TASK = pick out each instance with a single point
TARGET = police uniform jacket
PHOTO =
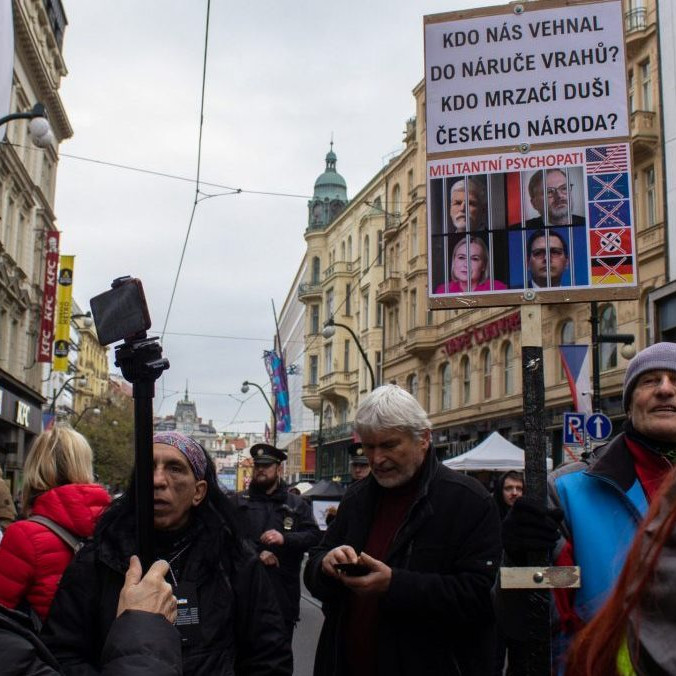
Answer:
(436, 617)
(292, 517)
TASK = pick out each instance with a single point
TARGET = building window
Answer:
(396, 200)
(314, 319)
(487, 365)
(329, 303)
(342, 251)
(650, 203)
(428, 393)
(430, 318)
(412, 385)
(366, 264)
(365, 311)
(446, 387)
(379, 314)
(410, 180)
(346, 356)
(630, 85)
(379, 368)
(314, 370)
(414, 238)
(508, 361)
(348, 300)
(412, 308)
(328, 358)
(315, 270)
(466, 380)
(349, 249)
(566, 337)
(646, 85)
(379, 258)
(646, 316)
(608, 326)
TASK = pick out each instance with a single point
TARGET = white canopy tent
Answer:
(493, 454)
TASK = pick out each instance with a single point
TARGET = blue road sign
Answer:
(573, 429)
(599, 426)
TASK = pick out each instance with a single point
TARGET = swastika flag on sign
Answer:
(611, 242)
(607, 159)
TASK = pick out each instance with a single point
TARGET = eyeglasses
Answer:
(562, 190)
(554, 251)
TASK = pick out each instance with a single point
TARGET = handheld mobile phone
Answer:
(352, 569)
(121, 312)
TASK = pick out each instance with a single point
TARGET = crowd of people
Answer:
(407, 571)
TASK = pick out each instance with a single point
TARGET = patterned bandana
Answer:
(189, 447)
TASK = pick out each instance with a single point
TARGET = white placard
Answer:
(554, 75)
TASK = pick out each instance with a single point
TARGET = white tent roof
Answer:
(494, 453)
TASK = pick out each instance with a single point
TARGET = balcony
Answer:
(336, 385)
(308, 291)
(392, 224)
(422, 341)
(389, 290)
(644, 132)
(311, 398)
(636, 19)
(339, 268)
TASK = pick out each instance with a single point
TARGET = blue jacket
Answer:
(602, 503)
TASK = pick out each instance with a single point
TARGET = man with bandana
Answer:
(280, 524)
(228, 616)
(601, 501)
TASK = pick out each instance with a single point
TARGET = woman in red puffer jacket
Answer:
(58, 484)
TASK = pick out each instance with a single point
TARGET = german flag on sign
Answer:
(610, 242)
(617, 270)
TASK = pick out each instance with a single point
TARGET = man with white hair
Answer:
(405, 571)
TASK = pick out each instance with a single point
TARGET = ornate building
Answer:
(27, 180)
(367, 269)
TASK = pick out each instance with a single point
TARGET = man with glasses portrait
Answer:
(555, 209)
(547, 258)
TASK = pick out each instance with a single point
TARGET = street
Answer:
(306, 635)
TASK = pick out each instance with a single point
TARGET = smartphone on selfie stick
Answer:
(122, 314)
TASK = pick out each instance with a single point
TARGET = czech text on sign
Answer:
(541, 75)
(546, 220)
(64, 301)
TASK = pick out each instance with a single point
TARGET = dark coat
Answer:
(240, 625)
(139, 643)
(292, 516)
(436, 617)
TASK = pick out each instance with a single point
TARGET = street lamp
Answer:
(82, 383)
(86, 318)
(245, 389)
(328, 331)
(627, 351)
(94, 409)
(39, 128)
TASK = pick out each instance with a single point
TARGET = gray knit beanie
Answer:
(660, 356)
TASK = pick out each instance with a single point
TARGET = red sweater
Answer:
(33, 558)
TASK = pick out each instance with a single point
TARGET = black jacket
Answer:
(138, 644)
(239, 629)
(292, 517)
(436, 617)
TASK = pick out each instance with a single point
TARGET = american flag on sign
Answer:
(607, 159)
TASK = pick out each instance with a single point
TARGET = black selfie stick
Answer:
(140, 359)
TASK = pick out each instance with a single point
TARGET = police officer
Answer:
(359, 464)
(281, 526)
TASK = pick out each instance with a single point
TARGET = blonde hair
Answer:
(57, 457)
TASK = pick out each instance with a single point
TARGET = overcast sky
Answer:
(282, 76)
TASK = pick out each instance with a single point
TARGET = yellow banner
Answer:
(64, 295)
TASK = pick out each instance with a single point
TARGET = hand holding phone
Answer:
(352, 569)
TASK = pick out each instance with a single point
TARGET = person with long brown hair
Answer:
(632, 635)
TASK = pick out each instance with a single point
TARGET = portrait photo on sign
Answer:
(546, 220)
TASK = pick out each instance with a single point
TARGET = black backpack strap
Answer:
(71, 540)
